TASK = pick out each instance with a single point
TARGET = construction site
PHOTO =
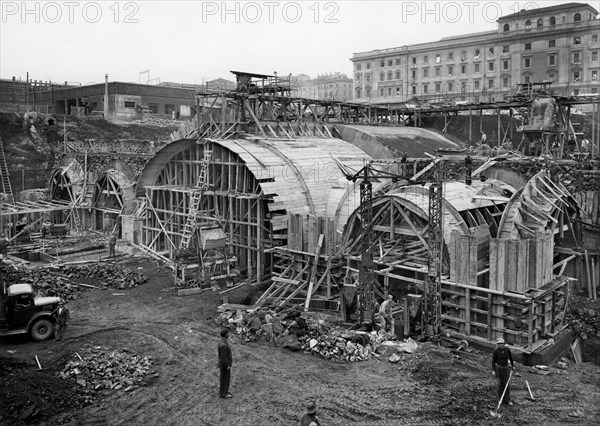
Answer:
(264, 208)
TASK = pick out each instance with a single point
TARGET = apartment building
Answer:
(557, 43)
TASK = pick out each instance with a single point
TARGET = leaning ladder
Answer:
(196, 198)
(6, 187)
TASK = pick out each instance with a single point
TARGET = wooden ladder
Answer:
(6, 187)
(197, 193)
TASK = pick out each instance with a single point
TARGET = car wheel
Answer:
(42, 329)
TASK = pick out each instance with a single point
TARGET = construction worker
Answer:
(3, 246)
(501, 370)
(483, 138)
(112, 241)
(310, 417)
(385, 314)
(225, 362)
(62, 318)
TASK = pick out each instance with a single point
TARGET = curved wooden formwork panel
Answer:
(66, 182)
(254, 184)
(541, 205)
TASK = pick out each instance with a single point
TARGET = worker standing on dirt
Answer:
(225, 362)
(62, 318)
(310, 417)
(112, 241)
(3, 246)
(385, 314)
(501, 369)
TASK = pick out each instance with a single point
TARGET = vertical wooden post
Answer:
(530, 328)
(468, 311)
(489, 317)
(470, 124)
(499, 139)
(553, 311)
(406, 317)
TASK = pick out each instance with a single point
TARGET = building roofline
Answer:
(534, 12)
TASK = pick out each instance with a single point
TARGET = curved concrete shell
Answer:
(254, 184)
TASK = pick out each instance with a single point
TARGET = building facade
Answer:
(559, 44)
(333, 86)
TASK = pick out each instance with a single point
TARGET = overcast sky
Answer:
(195, 41)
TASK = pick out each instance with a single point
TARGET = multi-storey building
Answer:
(559, 44)
(333, 86)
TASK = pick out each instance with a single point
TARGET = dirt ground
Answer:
(270, 385)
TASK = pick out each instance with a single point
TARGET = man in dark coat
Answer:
(225, 362)
(501, 369)
(310, 417)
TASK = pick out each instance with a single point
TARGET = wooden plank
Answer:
(313, 274)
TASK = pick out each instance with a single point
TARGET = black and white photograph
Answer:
(299, 212)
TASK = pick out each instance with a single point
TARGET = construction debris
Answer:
(61, 280)
(102, 369)
(311, 334)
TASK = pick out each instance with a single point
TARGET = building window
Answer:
(477, 84)
(426, 59)
(389, 91)
(450, 86)
(577, 17)
(382, 63)
(414, 90)
(527, 46)
(438, 87)
(476, 67)
(381, 76)
(490, 66)
(368, 93)
(450, 56)
(463, 86)
(358, 67)
(463, 55)
(476, 99)
(414, 74)
(505, 82)
(594, 75)
(437, 71)
(129, 104)
(505, 65)
(368, 65)
(425, 88)
(438, 58)
(551, 43)
(397, 74)
(390, 62)
(153, 108)
(491, 83)
(398, 61)
(414, 60)
(368, 78)
(526, 62)
(476, 54)
(491, 51)
(552, 20)
(594, 56)
(527, 24)
(450, 70)
(575, 92)
(540, 22)
(576, 76)
(551, 59)
(463, 69)
(552, 76)
(594, 38)
(527, 79)
(390, 75)
(594, 90)
(358, 93)
(398, 90)
(505, 49)
(357, 79)
(576, 58)
(576, 40)
(425, 72)
(506, 27)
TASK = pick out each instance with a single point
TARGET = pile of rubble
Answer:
(159, 121)
(582, 318)
(102, 369)
(312, 334)
(61, 281)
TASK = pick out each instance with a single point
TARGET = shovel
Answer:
(494, 413)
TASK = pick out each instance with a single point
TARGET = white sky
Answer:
(194, 41)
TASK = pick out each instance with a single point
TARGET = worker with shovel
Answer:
(502, 370)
